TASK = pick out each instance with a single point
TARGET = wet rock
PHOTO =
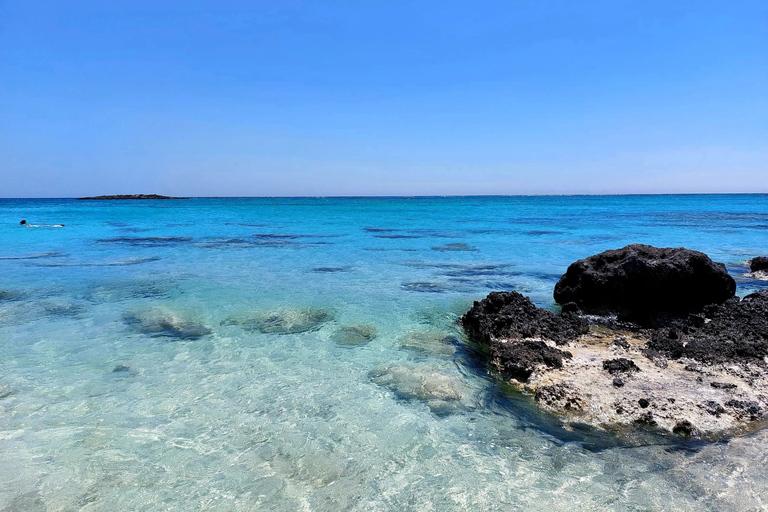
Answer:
(685, 428)
(432, 342)
(644, 403)
(620, 365)
(510, 315)
(758, 263)
(163, 322)
(121, 368)
(640, 282)
(433, 387)
(618, 382)
(558, 396)
(519, 360)
(354, 334)
(723, 385)
(283, 322)
(621, 343)
(646, 419)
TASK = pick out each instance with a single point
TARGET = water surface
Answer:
(246, 354)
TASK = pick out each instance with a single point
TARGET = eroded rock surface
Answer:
(701, 372)
(512, 315)
(640, 282)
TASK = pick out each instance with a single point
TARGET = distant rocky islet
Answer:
(127, 196)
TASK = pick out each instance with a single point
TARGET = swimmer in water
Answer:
(24, 223)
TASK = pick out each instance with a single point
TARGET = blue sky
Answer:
(382, 97)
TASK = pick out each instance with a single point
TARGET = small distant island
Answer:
(127, 196)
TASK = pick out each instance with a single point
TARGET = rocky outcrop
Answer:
(758, 263)
(645, 284)
(701, 372)
(510, 315)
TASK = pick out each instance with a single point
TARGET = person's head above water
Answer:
(23, 222)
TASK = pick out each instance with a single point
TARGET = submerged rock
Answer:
(702, 373)
(437, 389)
(354, 334)
(294, 321)
(164, 322)
(640, 282)
(433, 342)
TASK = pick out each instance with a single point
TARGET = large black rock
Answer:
(510, 315)
(758, 263)
(641, 283)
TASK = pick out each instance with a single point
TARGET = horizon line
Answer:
(366, 196)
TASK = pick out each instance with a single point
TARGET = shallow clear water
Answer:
(140, 368)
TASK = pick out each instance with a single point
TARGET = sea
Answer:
(303, 354)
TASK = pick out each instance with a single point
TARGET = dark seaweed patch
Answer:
(11, 295)
(536, 232)
(42, 255)
(152, 241)
(425, 287)
(379, 230)
(329, 270)
(275, 236)
(63, 309)
(397, 237)
(454, 247)
(118, 263)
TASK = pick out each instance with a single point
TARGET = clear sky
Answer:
(331, 97)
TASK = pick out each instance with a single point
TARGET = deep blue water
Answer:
(151, 359)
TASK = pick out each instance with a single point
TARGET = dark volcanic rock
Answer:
(620, 365)
(513, 316)
(736, 331)
(519, 360)
(640, 282)
(129, 196)
(758, 263)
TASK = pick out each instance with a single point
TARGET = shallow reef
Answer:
(286, 321)
(159, 321)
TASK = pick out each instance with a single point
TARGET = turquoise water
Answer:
(302, 354)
